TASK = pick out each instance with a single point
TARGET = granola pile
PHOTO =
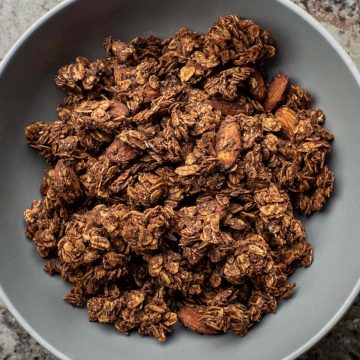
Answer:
(175, 168)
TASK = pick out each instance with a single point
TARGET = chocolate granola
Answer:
(175, 169)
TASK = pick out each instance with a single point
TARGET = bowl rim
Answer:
(353, 70)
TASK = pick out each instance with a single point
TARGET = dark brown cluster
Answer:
(175, 167)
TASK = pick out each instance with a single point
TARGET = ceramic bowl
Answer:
(27, 93)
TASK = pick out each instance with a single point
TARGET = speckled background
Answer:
(342, 19)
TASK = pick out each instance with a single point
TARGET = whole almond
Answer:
(66, 182)
(231, 108)
(287, 118)
(119, 152)
(276, 91)
(191, 318)
(228, 142)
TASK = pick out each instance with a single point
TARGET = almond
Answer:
(276, 91)
(231, 108)
(228, 142)
(118, 110)
(287, 118)
(66, 182)
(119, 152)
(191, 318)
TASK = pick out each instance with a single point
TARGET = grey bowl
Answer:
(306, 52)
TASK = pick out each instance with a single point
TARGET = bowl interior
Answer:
(27, 94)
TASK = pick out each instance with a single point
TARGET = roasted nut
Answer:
(275, 92)
(66, 182)
(287, 118)
(191, 319)
(228, 142)
(119, 152)
(118, 110)
(231, 108)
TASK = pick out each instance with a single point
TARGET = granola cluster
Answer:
(175, 168)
